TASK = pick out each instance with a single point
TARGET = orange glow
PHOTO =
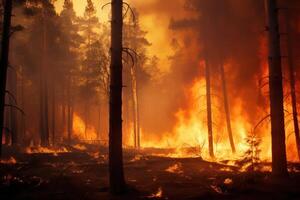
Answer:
(82, 132)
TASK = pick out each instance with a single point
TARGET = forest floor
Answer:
(83, 175)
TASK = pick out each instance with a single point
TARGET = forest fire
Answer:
(181, 99)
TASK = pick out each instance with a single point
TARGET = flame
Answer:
(39, 149)
(82, 132)
(190, 130)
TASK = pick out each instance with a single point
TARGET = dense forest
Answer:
(181, 99)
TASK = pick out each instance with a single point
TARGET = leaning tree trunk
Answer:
(279, 163)
(208, 108)
(226, 105)
(4, 62)
(292, 72)
(116, 172)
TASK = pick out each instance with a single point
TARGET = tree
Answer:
(226, 105)
(116, 172)
(70, 41)
(94, 61)
(279, 163)
(4, 61)
(292, 82)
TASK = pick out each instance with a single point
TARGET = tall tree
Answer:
(116, 172)
(292, 72)
(279, 163)
(4, 61)
(70, 40)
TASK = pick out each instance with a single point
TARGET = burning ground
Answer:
(80, 172)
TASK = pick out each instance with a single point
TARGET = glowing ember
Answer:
(39, 149)
(158, 194)
(176, 169)
(79, 147)
(11, 160)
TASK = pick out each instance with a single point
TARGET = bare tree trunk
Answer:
(86, 118)
(226, 105)
(44, 90)
(133, 98)
(116, 172)
(69, 112)
(208, 106)
(53, 112)
(13, 113)
(99, 123)
(137, 113)
(4, 62)
(63, 109)
(292, 72)
(23, 127)
(279, 163)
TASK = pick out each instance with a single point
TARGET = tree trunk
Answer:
(12, 87)
(137, 112)
(292, 72)
(133, 97)
(279, 163)
(116, 172)
(4, 62)
(209, 113)
(69, 111)
(226, 105)
(53, 112)
(44, 89)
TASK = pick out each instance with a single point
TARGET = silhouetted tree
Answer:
(279, 163)
(292, 78)
(116, 172)
(4, 61)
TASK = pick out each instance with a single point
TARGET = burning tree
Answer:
(251, 158)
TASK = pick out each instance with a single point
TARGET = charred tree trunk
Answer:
(116, 172)
(208, 107)
(13, 113)
(69, 111)
(4, 62)
(53, 112)
(226, 106)
(99, 123)
(291, 65)
(63, 110)
(279, 163)
(44, 90)
(137, 113)
(23, 127)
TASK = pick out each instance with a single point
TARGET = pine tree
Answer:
(70, 41)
